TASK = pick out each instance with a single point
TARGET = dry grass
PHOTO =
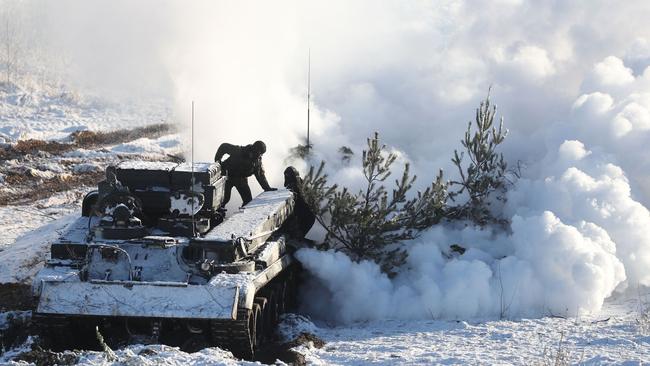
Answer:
(27, 187)
(40, 356)
(88, 139)
(559, 355)
(39, 189)
(643, 316)
(82, 139)
(556, 357)
(643, 322)
(33, 146)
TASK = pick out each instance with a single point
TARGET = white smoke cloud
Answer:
(575, 239)
(611, 72)
(579, 231)
(581, 187)
(571, 78)
(555, 269)
(577, 236)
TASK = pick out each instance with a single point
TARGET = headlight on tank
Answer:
(206, 265)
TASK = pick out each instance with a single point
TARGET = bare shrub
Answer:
(559, 355)
(643, 315)
(11, 42)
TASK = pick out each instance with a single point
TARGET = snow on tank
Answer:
(185, 277)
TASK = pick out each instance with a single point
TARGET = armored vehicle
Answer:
(153, 258)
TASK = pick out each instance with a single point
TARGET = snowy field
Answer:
(615, 335)
(567, 282)
(610, 337)
(618, 334)
(17, 220)
(47, 112)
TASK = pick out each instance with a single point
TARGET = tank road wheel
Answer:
(290, 292)
(272, 314)
(281, 292)
(244, 335)
(269, 307)
(256, 327)
(54, 332)
(60, 333)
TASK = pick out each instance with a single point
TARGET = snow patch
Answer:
(25, 257)
(87, 168)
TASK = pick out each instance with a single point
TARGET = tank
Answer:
(153, 259)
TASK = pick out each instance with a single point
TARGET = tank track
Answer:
(241, 336)
(234, 335)
(62, 333)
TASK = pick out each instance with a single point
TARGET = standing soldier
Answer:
(242, 162)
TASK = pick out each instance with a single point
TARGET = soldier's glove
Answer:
(270, 189)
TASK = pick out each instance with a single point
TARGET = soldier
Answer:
(242, 162)
(300, 224)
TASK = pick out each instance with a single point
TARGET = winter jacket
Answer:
(242, 162)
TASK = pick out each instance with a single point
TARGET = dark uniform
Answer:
(303, 218)
(242, 162)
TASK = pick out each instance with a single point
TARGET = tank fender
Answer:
(248, 291)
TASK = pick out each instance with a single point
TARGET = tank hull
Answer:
(126, 278)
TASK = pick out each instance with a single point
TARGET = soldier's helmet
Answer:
(259, 147)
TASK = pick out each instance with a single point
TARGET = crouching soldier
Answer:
(242, 162)
(303, 219)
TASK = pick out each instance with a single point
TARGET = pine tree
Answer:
(300, 152)
(346, 154)
(484, 179)
(373, 223)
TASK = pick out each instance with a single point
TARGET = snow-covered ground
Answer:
(46, 166)
(52, 112)
(610, 337)
(32, 228)
(20, 219)
(141, 355)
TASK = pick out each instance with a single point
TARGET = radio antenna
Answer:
(192, 158)
(308, 95)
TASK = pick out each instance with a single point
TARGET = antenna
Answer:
(192, 187)
(308, 95)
